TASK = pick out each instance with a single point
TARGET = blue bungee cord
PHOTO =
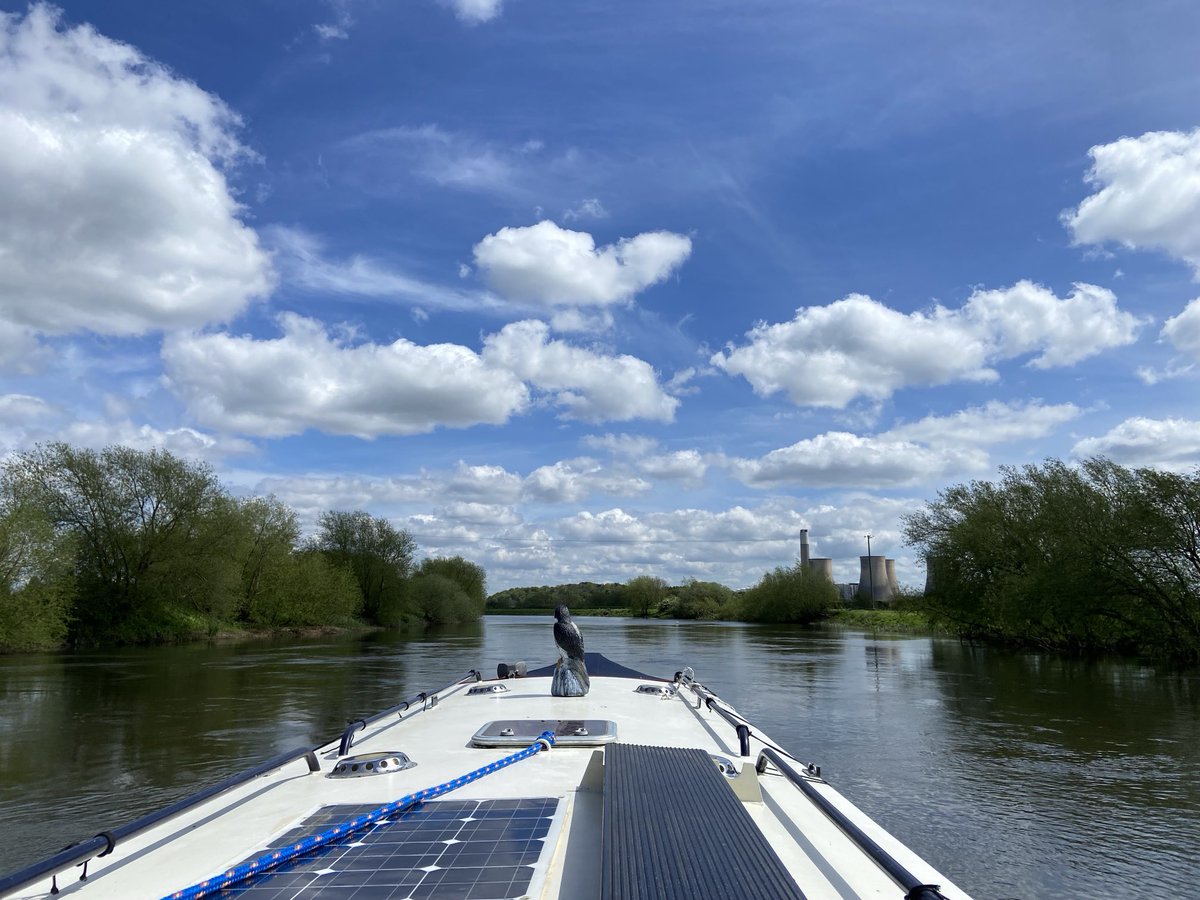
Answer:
(268, 861)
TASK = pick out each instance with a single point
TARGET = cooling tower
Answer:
(822, 565)
(873, 582)
(890, 567)
(803, 547)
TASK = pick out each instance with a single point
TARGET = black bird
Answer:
(566, 633)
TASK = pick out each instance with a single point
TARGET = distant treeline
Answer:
(1090, 558)
(129, 546)
(786, 594)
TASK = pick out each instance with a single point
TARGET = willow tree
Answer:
(1087, 557)
(379, 555)
(151, 534)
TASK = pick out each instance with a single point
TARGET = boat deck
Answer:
(565, 787)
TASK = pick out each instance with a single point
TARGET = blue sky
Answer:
(585, 291)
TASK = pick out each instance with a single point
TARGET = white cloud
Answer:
(573, 480)
(305, 379)
(992, 423)
(1028, 318)
(591, 208)
(1147, 195)
(30, 420)
(1172, 444)
(552, 267)
(303, 260)
(19, 410)
(445, 158)
(473, 12)
(117, 216)
(1183, 330)
(339, 28)
(591, 386)
(840, 459)
(185, 442)
(857, 347)
(629, 445)
(687, 466)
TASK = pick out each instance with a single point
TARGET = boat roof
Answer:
(571, 819)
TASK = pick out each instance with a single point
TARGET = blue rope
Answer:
(277, 857)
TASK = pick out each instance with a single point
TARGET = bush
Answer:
(794, 594)
(440, 600)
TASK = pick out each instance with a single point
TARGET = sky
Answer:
(588, 290)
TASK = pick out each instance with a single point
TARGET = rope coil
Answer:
(277, 857)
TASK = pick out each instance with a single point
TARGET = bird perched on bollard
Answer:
(570, 678)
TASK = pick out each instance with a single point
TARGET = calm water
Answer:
(1019, 775)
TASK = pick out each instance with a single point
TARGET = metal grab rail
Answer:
(420, 697)
(914, 887)
(104, 843)
(712, 701)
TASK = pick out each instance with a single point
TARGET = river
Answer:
(1019, 775)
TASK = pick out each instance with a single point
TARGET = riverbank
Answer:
(549, 611)
(885, 620)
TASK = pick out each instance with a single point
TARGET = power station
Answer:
(876, 574)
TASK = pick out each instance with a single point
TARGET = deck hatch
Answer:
(441, 850)
(674, 830)
(567, 732)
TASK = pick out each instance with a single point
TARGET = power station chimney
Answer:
(890, 569)
(804, 548)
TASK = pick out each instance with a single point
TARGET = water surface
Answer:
(1019, 775)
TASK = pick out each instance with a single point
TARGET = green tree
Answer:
(305, 588)
(1087, 557)
(153, 554)
(644, 593)
(36, 585)
(379, 555)
(794, 594)
(441, 600)
(470, 577)
(702, 600)
(268, 533)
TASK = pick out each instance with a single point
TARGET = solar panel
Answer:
(441, 850)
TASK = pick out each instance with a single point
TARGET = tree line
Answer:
(130, 546)
(1094, 557)
(791, 594)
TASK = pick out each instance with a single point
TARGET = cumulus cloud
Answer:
(1147, 195)
(550, 266)
(186, 442)
(590, 386)
(1183, 330)
(841, 459)
(474, 12)
(306, 379)
(992, 423)
(570, 481)
(1172, 444)
(687, 466)
(857, 347)
(117, 216)
(29, 420)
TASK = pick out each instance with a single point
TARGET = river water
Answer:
(1019, 775)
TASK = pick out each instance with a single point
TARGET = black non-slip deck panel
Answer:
(674, 830)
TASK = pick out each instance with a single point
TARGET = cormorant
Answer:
(566, 633)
